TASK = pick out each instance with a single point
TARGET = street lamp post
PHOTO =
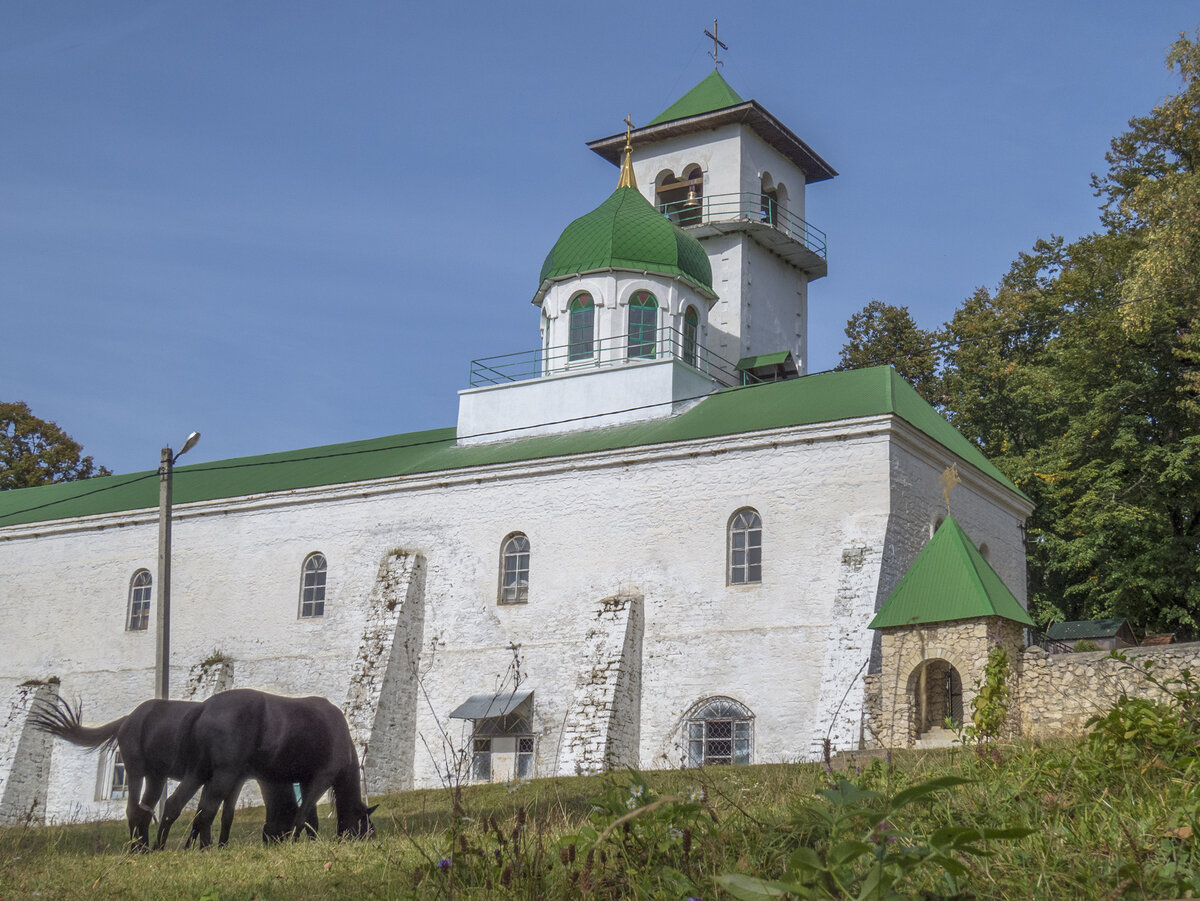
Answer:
(162, 618)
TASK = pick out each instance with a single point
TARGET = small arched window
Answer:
(745, 547)
(139, 602)
(719, 733)
(769, 212)
(691, 333)
(514, 569)
(643, 326)
(312, 587)
(582, 337)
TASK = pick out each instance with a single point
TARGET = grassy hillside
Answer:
(1104, 820)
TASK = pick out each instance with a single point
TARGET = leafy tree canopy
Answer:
(883, 334)
(36, 452)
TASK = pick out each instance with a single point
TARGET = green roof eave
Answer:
(949, 581)
(626, 266)
(712, 93)
(1087, 628)
(812, 399)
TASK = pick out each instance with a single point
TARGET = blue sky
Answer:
(293, 223)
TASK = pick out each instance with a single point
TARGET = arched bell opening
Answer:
(935, 696)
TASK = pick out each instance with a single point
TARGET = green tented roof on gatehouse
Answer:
(949, 581)
(713, 93)
(626, 232)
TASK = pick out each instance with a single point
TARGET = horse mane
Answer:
(61, 720)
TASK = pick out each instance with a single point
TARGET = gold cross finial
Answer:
(949, 480)
(627, 180)
(718, 44)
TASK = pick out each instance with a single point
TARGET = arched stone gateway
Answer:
(935, 699)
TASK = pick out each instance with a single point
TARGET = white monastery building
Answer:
(653, 541)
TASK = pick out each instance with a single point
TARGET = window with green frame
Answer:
(691, 331)
(582, 337)
(643, 325)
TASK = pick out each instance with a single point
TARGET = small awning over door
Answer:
(484, 707)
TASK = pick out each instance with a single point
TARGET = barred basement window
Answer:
(745, 547)
(312, 587)
(139, 602)
(502, 748)
(481, 760)
(643, 325)
(514, 569)
(719, 733)
(112, 782)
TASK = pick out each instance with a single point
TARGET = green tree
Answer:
(883, 334)
(1079, 378)
(36, 452)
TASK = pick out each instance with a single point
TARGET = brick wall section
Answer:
(603, 725)
(382, 698)
(1059, 692)
(24, 757)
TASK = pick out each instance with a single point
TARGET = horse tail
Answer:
(64, 721)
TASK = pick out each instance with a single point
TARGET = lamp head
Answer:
(189, 444)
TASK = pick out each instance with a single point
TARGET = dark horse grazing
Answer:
(243, 733)
(151, 742)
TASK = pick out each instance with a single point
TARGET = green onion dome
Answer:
(626, 232)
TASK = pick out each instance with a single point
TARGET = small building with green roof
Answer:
(653, 539)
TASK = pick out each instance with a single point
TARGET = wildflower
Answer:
(674, 834)
(444, 864)
(697, 795)
(631, 803)
(636, 790)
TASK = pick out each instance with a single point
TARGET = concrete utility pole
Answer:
(162, 618)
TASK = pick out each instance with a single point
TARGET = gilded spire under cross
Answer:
(627, 179)
(718, 44)
(949, 479)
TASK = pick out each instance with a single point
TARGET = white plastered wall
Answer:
(648, 522)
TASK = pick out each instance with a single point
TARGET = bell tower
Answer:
(734, 176)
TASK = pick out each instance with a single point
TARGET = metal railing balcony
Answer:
(750, 207)
(598, 353)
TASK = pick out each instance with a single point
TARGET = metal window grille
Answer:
(524, 758)
(312, 587)
(119, 786)
(745, 548)
(481, 760)
(139, 602)
(643, 325)
(514, 575)
(719, 735)
(582, 328)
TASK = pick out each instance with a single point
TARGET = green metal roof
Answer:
(949, 580)
(824, 397)
(713, 93)
(1087, 628)
(626, 232)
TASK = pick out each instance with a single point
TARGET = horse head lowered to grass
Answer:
(243, 733)
(151, 741)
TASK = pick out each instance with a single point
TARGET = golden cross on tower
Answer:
(627, 179)
(949, 480)
(718, 44)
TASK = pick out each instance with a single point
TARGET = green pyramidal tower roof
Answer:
(949, 580)
(713, 93)
(626, 232)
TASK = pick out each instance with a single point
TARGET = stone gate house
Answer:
(685, 535)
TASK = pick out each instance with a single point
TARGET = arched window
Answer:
(719, 733)
(139, 602)
(745, 547)
(582, 328)
(643, 326)
(691, 332)
(514, 569)
(312, 587)
(770, 201)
